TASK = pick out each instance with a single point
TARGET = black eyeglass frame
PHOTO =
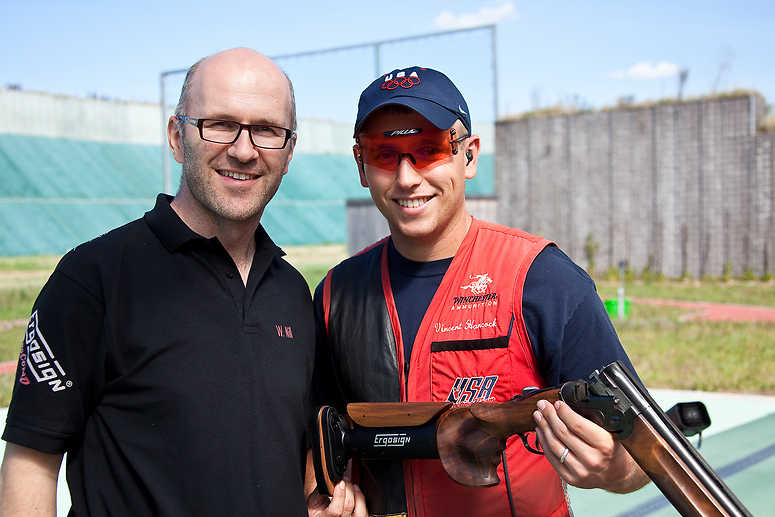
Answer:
(453, 142)
(199, 123)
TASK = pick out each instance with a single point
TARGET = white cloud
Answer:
(647, 70)
(484, 16)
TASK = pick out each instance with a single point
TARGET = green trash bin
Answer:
(613, 309)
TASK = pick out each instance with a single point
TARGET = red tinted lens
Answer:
(423, 150)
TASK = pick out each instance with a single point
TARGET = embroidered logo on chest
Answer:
(479, 297)
(467, 390)
(284, 331)
(479, 283)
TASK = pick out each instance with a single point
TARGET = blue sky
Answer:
(548, 52)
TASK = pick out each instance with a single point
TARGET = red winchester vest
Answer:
(471, 346)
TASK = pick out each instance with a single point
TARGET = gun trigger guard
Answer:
(523, 437)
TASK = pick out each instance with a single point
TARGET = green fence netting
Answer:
(56, 193)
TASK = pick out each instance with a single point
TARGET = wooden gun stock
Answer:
(469, 440)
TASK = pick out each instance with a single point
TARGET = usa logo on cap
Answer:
(424, 90)
(401, 79)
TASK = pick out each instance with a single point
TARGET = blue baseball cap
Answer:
(428, 92)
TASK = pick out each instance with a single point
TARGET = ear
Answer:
(472, 147)
(175, 139)
(291, 146)
(359, 162)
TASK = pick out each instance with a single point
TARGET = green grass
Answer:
(28, 263)
(699, 355)
(314, 273)
(11, 342)
(667, 351)
(738, 292)
(6, 388)
(17, 303)
(314, 261)
(21, 279)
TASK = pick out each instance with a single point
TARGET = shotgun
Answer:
(469, 440)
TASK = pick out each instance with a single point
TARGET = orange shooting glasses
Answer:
(424, 148)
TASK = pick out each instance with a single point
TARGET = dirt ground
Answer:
(715, 311)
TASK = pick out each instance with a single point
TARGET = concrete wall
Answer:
(24, 112)
(685, 188)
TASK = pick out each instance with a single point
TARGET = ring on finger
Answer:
(564, 455)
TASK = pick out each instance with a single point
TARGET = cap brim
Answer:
(437, 115)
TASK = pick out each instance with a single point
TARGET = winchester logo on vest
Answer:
(479, 284)
(479, 297)
(467, 390)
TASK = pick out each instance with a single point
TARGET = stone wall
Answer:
(682, 188)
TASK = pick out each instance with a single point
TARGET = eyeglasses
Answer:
(423, 148)
(228, 131)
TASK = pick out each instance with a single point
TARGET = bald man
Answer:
(170, 358)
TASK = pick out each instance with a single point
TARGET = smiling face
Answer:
(425, 208)
(231, 182)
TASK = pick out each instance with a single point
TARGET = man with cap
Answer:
(451, 308)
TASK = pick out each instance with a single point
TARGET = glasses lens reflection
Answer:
(423, 150)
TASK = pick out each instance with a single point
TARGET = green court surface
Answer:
(739, 445)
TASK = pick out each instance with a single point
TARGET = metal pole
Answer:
(377, 65)
(494, 75)
(165, 155)
(380, 42)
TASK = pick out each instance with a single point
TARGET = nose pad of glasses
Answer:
(409, 155)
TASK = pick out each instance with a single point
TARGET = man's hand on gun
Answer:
(584, 454)
(346, 501)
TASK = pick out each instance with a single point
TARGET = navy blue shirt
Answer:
(566, 322)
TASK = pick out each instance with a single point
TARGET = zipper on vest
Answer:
(406, 379)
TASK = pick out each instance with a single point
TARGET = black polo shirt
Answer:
(175, 389)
